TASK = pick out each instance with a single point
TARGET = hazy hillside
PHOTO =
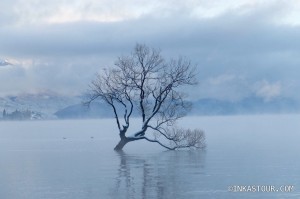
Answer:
(95, 110)
(46, 103)
(200, 107)
(251, 105)
(51, 105)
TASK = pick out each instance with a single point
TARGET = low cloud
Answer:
(231, 87)
(241, 49)
(221, 79)
(4, 63)
(267, 90)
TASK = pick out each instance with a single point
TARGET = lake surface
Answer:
(75, 160)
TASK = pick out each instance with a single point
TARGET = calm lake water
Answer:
(75, 160)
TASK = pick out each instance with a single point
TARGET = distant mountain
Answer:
(251, 105)
(46, 103)
(52, 105)
(21, 115)
(95, 110)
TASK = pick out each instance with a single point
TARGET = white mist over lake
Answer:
(74, 159)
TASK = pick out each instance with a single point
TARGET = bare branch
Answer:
(145, 83)
(150, 140)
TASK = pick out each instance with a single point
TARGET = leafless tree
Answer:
(144, 82)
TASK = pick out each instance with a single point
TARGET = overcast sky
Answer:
(243, 48)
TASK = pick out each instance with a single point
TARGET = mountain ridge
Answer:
(56, 106)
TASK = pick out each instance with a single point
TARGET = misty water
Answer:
(75, 160)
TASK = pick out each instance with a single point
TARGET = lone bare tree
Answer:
(145, 83)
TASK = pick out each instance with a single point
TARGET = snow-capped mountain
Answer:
(46, 103)
(49, 105)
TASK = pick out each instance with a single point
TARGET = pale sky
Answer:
(242, 48)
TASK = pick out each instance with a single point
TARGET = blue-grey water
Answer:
(75, 160)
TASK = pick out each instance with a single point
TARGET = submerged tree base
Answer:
(121, 144)
(178, 138)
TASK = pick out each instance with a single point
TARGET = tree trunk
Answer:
(121, 144)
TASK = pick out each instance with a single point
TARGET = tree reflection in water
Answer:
(170, 174)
